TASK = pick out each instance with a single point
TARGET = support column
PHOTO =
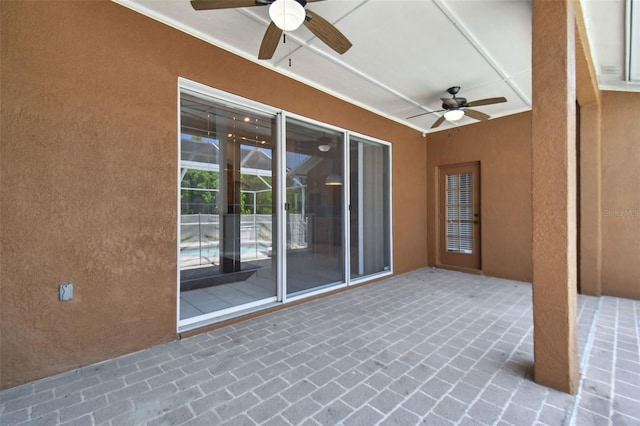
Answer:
(554, 195)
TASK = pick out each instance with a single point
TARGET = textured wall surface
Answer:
(503, 148)
(620, 211)
(88, 186)
(89, 176)
(554, 195)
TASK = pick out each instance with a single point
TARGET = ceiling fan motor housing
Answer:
(460, 103)
(453, 91)
(455, 102)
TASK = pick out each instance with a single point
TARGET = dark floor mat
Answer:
(209, 276)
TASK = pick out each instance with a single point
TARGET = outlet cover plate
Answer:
(65, 292)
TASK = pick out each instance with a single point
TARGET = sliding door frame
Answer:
(388, 201)
(280, 215)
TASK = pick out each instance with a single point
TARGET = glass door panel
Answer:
(227, 222)
(370, 210)
(314, 199)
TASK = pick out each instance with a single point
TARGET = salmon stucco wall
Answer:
(620, 210)
(503, 148)
(89, 176)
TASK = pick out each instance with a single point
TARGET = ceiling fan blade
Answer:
(423, 113)
(449, 102)
(269, 42)
(487, 101)
(477, 114)
(326, 32)
(224, 4)
(231, 4)
(438, 122)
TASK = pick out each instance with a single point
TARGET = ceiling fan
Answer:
(286, 15)
(456, 107)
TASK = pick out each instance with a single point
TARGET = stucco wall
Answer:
(89, 176)
(620, 153)
(503, 148)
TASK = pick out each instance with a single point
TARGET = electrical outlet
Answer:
(65, 292)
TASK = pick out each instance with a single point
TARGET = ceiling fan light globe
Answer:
(454, 114)
(288, 15)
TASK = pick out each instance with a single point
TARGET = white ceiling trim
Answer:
(405, 51)
(466, 33)
(204, 37)
(336, 60)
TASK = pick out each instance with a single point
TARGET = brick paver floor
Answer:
(428, 347)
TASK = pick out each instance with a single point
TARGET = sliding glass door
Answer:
(227, 223)
(370, 207)
(273, 207)
(314, 207)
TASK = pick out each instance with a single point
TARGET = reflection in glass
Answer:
(314, 197)
(227, 226)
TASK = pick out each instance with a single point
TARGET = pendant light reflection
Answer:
(333, 180)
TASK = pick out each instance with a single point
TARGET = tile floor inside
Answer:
(428, 347)
(305, 272)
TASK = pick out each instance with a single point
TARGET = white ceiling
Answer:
(406, 53)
